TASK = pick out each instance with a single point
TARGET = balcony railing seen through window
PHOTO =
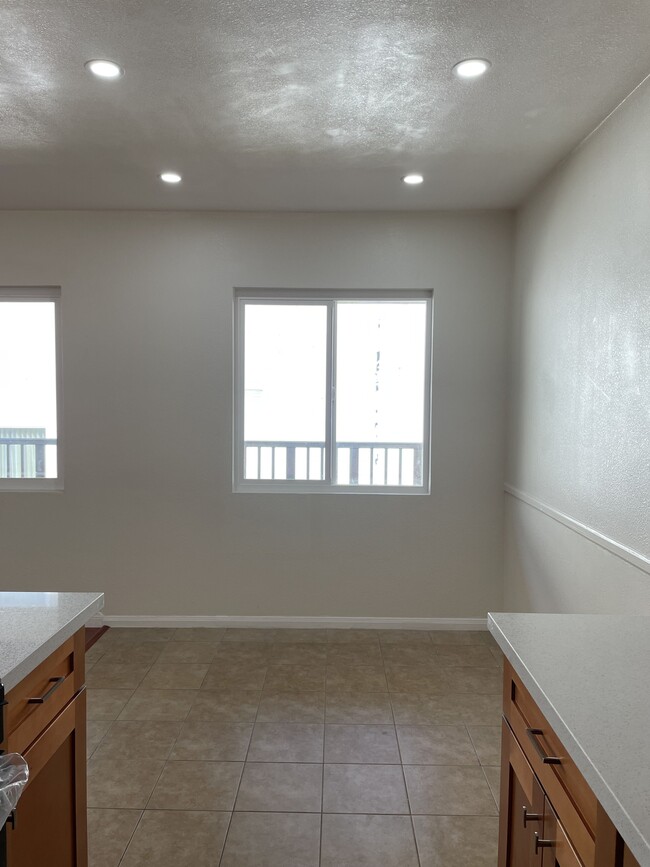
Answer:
(357, 463)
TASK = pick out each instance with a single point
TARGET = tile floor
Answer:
(293, 748)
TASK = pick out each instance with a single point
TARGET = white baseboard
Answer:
(234, 621)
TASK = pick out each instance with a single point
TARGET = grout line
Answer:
(399, 751)
(132, 835)
(243, 769)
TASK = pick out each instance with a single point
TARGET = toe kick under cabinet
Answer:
(44, 719)
(549, 817)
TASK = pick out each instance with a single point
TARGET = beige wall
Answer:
(148, 514)
(579, 439)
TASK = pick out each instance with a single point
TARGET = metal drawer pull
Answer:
(547, 760)
(542, 844)
(56, 681)
(531, 817)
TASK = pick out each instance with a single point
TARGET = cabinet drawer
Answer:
(36, 700)
(573, 800)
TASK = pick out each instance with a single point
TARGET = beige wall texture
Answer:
(148, 514)
(579, 438)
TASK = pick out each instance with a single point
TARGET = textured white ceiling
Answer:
(303, 104)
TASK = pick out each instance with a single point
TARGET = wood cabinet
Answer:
(549, 817)
(45, 721)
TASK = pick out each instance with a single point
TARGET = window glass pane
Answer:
(380, 379)
(285, 391)
(28, 390)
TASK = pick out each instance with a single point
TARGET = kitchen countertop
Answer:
(590, 676)
(32, 625)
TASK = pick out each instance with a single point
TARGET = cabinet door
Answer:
(553, 842)
(521, 808)
(49, 826)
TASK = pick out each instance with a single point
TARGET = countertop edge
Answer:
(27, 665)
(633, 837)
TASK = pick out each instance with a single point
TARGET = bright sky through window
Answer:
(334, 391)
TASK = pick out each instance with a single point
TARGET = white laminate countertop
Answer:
(32, 625)
(590, 676)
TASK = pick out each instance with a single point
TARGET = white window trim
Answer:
(321, 296)
(26, 294)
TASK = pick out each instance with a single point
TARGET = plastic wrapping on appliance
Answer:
(14, 774)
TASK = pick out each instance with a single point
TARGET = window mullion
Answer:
(332, 395)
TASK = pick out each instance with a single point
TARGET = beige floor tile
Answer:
(366, 744)
(348, 636)
(459, 636)
(120, 634)
(450, 791)
(175, 676)
(159, 704)
(121, 782)
(286, 742)
(358, 707)
(368, 841)
(196, 786)
(300, 636)
(116, 675)
(416, 677)
(457, 841)
(211, 741)
(364, 789)
(285, 788)
(493, 776)
(229, 652)
(181, 838)
(95, 653)
(353, 678)
(355, 653)
(132, 652)
(229, 674)
(109, 832)
(206, 634)
(487, 743)
(405, 636)
(435, 745)
(106, 704)
(188, 652)
(450, 709)
(272, 840)
(292, 706)
(284, 653)
(498, 657)
(236, 705)
(245, 634)
(142, 739)
(476, 680)
(295, 677)
(408, 654)
(95, 731)
(464, 655)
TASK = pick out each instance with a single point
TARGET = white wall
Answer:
(148, 515)
(580, 421)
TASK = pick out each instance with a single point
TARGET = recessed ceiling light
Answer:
(104, 68)
(475, 67)
(170, 177)
(412, 180)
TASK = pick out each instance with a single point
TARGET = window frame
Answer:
(328, 298)
(27, 295)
